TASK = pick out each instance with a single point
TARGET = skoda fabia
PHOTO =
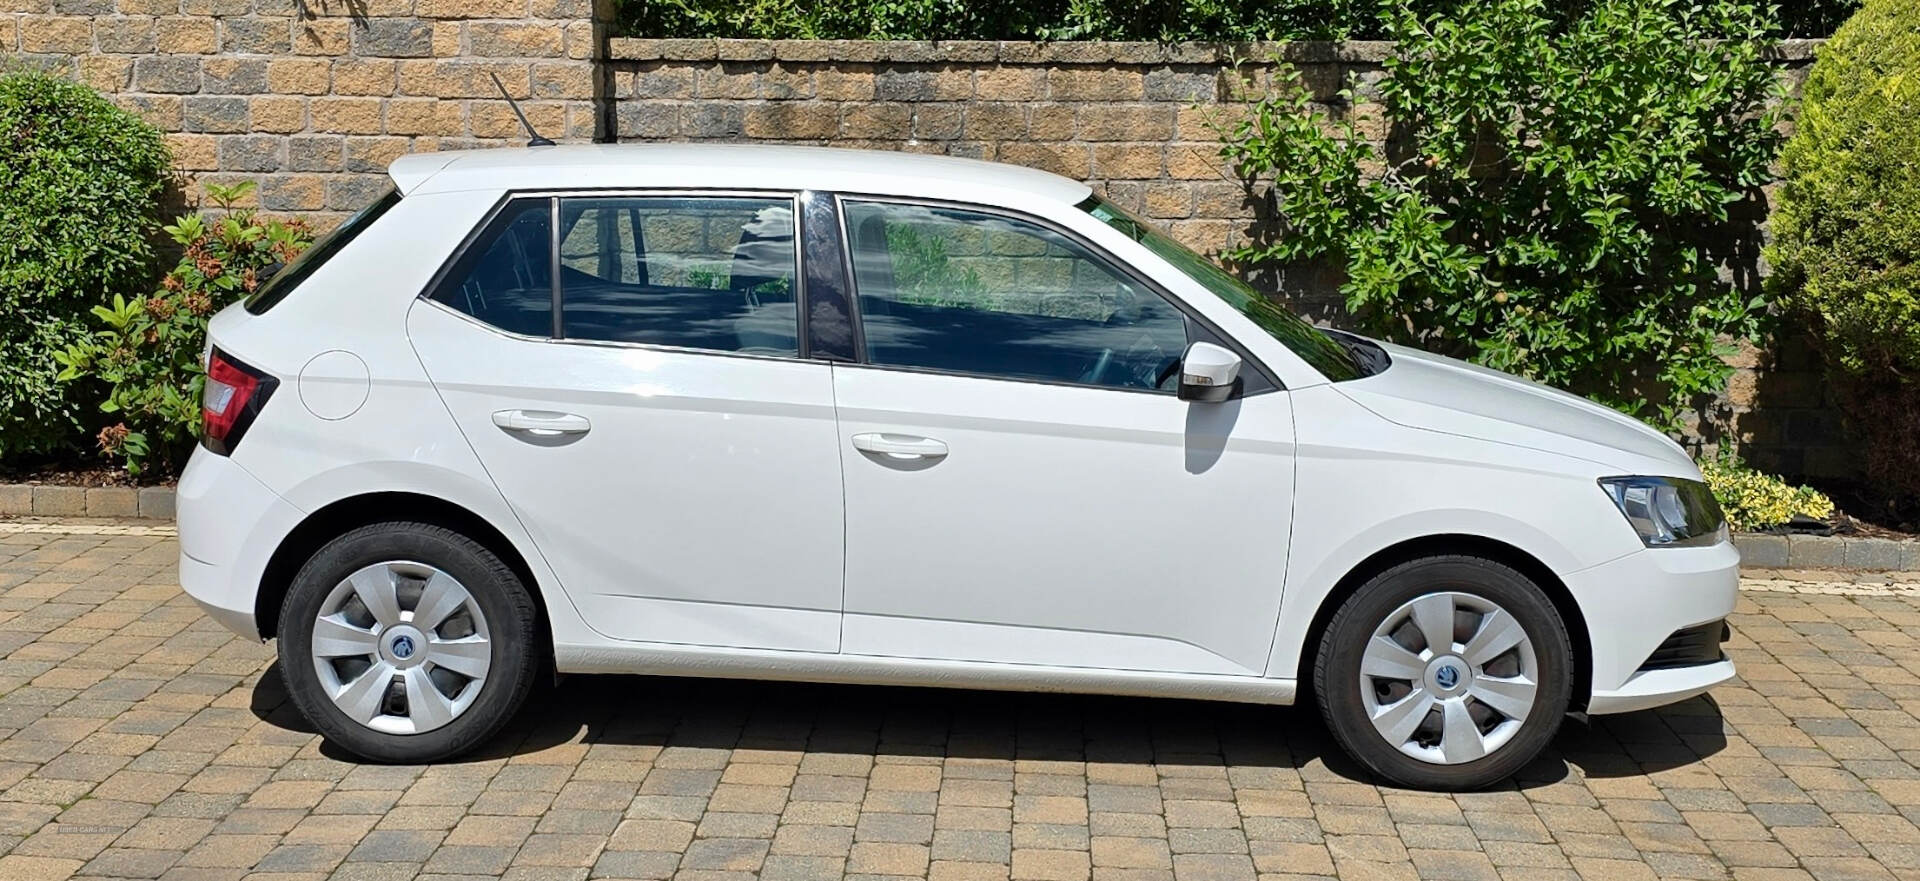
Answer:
(809, 414)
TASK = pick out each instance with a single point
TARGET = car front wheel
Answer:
(1447, 672)
(407, 642)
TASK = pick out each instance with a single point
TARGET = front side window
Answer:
(1334, 361)
(506, 277)
(974, 292)
(693, 272)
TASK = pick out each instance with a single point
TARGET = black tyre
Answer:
(407, 642)
(1447, 672)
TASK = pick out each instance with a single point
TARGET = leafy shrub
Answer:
(80, 181)
(1755, 500)
(149, 352)
(1847, 230)
(1551, 198)
(1081, 19)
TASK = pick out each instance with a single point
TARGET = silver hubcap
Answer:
(401, 647)
(1449, 677)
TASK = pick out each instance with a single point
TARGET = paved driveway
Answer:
(138, 740)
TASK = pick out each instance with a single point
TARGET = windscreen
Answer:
(1314, 346)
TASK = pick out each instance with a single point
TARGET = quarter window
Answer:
(973, 292)
(702, 273)
(506, 278)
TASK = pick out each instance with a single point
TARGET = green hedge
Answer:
(80, 181)
(1087, 19)
(1847, 228)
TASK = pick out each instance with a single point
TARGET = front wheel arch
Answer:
(1443, 545)
(345, 515)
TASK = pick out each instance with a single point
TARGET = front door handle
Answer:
(900, 446)
(541, 423)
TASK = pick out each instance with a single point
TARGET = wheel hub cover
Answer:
(1448, 677)
(401, 647)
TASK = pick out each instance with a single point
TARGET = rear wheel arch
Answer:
(1468, 545)
(342, 516)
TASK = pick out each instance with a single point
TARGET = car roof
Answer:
(732, 166)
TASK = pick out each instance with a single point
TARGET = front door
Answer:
(1022, 483)
(657, 433)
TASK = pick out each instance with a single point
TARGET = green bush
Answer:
(1553, 198)
(149, 351)
(1847, 229)
(1080, 19)
(80, 181)
(1755, 500)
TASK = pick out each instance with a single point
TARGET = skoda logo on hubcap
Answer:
(403, 648)
(1447, 676)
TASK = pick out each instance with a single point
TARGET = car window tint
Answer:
(975, 292)
(506, 278)
(702, 273)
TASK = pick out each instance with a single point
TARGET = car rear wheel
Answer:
(1446, 672)
(407, 642)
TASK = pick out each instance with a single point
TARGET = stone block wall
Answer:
(1137, 119)
(312, 98)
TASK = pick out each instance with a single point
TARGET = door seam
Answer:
(833, 392)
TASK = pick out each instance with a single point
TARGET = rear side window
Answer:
(282, 283)
(506, 277)
(691, 272)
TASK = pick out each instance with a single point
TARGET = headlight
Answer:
(1668, 512)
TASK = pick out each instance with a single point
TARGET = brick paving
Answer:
(139, 740)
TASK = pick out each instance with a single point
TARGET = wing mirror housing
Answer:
(1209, 373)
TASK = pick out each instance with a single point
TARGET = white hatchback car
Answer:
(798, 413)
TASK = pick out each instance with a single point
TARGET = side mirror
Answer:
(1208, 373)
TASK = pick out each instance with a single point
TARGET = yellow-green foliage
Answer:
(1753, 500)
(1848, 224)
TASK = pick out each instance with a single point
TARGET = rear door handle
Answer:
(900, 446)
(541, 423)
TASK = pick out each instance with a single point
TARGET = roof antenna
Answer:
(534, 138)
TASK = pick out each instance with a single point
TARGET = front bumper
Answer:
(1634, 603)
(1657, 688)
(230, 523)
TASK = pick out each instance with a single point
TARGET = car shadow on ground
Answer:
(649, 711)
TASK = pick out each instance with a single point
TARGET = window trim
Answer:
(556, 302)
(439, 279)
(1199, 327)
(829, 287)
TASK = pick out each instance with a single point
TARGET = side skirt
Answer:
(725, 663)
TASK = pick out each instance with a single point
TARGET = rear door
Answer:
(628, 369)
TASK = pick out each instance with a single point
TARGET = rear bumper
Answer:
(209, 587)
(1634, 603)
(230, 523)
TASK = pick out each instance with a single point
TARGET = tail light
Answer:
(233, 395)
